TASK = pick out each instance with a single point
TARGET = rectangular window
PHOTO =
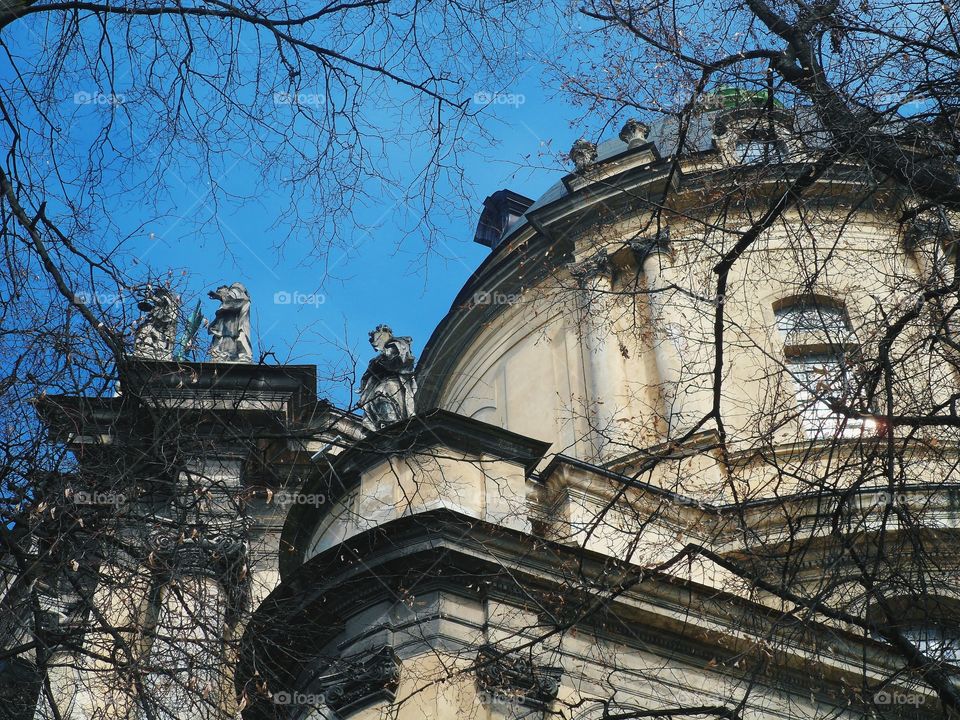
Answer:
(817, 338)
(819, 378)
(759, 150)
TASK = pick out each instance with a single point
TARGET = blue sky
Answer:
(147, 205)
(379, 278)
(377, 282)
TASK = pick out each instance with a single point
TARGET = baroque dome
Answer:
(534, 344)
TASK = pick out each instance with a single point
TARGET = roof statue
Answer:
(583, 154)
(388, 386)
(634, 133)
(230, 327)
(156, 331)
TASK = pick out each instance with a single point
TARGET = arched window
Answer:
(759, 146)
(931, 623)
(754, 135)
(819, 344)
(936, 640)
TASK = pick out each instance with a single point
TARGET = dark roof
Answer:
(664, 136)
(500, 210)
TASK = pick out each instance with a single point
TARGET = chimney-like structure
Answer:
(500, 211)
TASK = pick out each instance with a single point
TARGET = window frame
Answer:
(774, 150)
(829, 343)
(773, 127)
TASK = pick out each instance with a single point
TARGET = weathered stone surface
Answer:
(388, 386)
(231, 325)
(156, 332)
(583, 154)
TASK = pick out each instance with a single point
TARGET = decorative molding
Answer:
(512, 675)
(350, 685)
(211, 552)
(658, 243)
(596, 266)
(927, 228)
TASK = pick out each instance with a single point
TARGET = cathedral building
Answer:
(645, 466)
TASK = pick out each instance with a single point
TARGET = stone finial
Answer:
(231, 325)
(388, 386)
(583, 154)
(156, 331)
(634, 132)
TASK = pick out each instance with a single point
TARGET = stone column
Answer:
(200, 551)
(115, 642)
(603, 363)
(63, 666)
(683, 340)
(72, 699)
(99, 680)
(933, 247)
(187, 655)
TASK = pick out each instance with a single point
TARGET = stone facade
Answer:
(556, 532)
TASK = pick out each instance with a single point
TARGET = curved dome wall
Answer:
(628, 396)
(592, 324)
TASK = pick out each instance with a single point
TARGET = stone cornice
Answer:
(435, 428)
(163, 392)
(443, 550)
(808, 451)
(767, 518)
(559, 462)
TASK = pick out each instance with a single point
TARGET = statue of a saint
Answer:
(388, 386)
(156, 332)
(231, 325)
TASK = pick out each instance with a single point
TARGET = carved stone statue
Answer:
(388, 386)
(156, 334)
(231, 325)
